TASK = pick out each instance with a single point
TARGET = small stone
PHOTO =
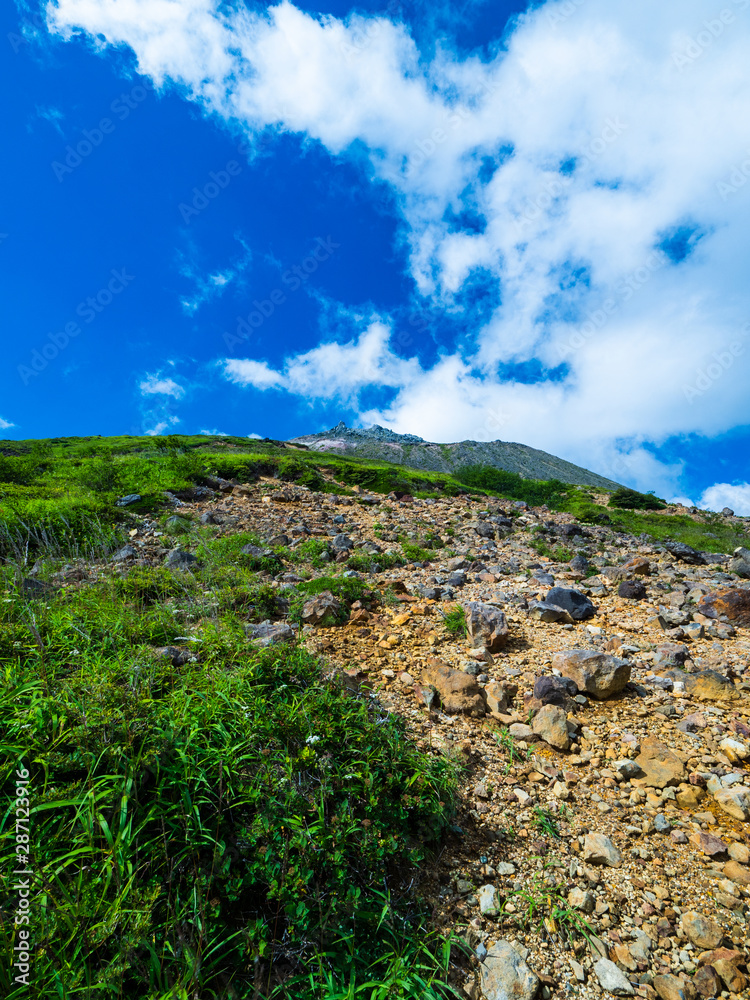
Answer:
(632, 590)
(582, 900)
(702, 931)
(551, 724)
(708, 843)
(178, 559)
(674, 988)
(599, 850)
(489, 904)
(486, 625)
(735, 801)
(506, 976)
(739, 852)
(126, 552)
(737, 873)
(612, 979)
(730, 975)
(458, 691)
(707, 982)
(661, 766)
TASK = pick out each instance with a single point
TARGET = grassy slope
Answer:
(61, 485)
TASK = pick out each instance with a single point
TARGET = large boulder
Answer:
(662, 767)
(598, 674)
(486, 625)
(458, 691)
(578, 606)
(732, 602)
(505, 975)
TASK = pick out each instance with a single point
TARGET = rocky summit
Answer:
(380, 444)
(602, 841)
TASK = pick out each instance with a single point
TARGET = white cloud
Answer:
(609, 131)
(5, 424)
(214, 433)
(157, 385)
(257, 374)
(161, 426)
(720, 495)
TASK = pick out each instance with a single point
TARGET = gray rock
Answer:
(553, 690)
(342, 542)
(543, 611)
(270, 633)
(684, 553)
(131, 498)
(178, 559)
(126, 552)
(578, 606)
(255, 552)
(612, 979)
(632, 590)
(322, 609)
(486, 625)
(506, 976)
(598, 674)
(489, 904)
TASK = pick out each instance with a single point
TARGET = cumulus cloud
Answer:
(734, 495)
(588, 175)
(158, 385)
(245, 372)
(5, 424)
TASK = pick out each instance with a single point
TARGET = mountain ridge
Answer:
(380, 443)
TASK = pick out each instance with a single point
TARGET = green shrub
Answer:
(632, 500)
(536, 492)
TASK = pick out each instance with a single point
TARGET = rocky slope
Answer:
(378, 443)
(600, 707)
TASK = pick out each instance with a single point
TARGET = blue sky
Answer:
(470, 221)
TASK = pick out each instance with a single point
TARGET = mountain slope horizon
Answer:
(381, 444)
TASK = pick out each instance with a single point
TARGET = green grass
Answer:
(455, 622)
(59, 494)
(557, 554)
(233, 827)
